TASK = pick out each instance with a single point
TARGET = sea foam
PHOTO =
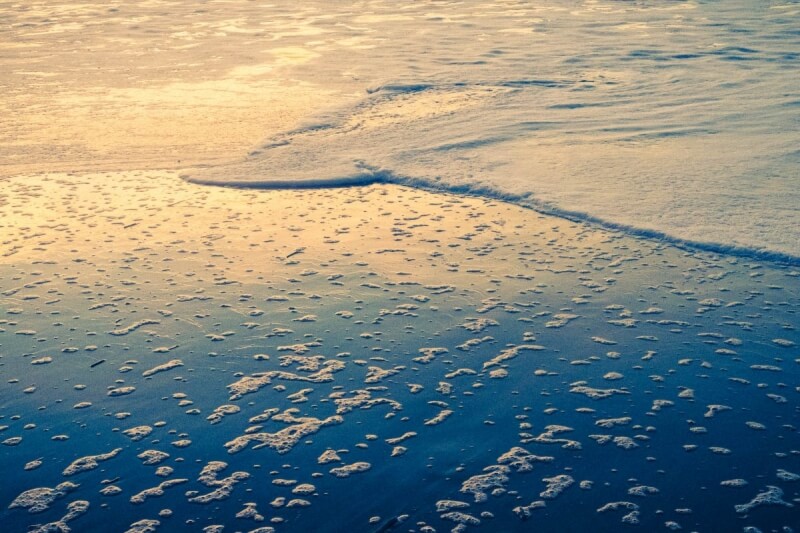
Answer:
(674, 121)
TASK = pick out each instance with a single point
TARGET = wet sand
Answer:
(178, 357)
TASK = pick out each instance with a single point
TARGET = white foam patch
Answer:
(688, 136)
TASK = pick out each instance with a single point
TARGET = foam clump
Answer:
(429, 354)
(169, 365)
(476, 325)
(32, 465)
(304, 489)
(328, 456)
(624, 442)
(785, 475)
(156, 491)
(472, 343)
(222, 411)
(630, 518)
(460, 372)
(556, 485)
(615, 506)
(439, 418)
(461, 518)
(138, 433)
(397, 451)
(222, 487)
(526, 511)
(772, 496)
(121, 391)
(548, 436)
(510, 353)
(443, 506)
(445, 388)
(521, 459)
(733, 482)
(285, 439)
(642, 490)
(362, 399)
(496, 476)
(152, 457)
(660, 404)
(255, 382)
(133, 327)
(376, 374)
(348, 470)
(560, 320)
(784, 343)
(89, 462)
(611, 422)
(39, 499)
(713, 409)
(74, 510)
(110, 490)
(144, 526)
(581, 387)
(405, 436)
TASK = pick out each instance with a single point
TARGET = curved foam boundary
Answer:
(526, 200)
(357, 180)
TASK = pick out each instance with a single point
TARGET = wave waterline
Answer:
(669, 120)
(526, 201)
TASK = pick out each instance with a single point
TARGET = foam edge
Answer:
(370, 177)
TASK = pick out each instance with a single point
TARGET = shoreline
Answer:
(521, 266)
(527, 201)
(379, 348)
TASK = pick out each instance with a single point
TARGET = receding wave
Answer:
(590, 112)
(307, 183)
(370, 177)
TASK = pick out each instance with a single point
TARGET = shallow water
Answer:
(466, 359)
(678, 118)
(610, 333)
(673, 119)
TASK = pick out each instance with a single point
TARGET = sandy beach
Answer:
(432, 347)
(200, 357)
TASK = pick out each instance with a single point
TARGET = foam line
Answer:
(369, 177)
(357, 180)
(530, 202)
